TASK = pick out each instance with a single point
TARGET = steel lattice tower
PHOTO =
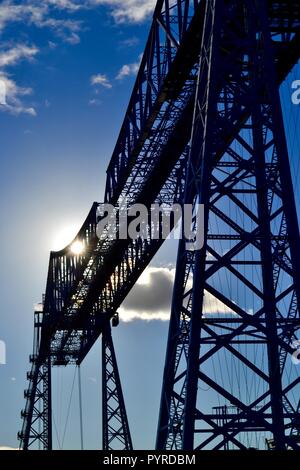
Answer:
(239, 170)
(116, 433)
(203, 126)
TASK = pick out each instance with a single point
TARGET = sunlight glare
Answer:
(77, 248)
(64, 237)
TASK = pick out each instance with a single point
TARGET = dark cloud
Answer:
(154, 293)
(151, 297)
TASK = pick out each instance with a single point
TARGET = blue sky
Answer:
(69, 67)
(69, 73)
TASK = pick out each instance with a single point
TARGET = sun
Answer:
(64, 236)
(77, 247)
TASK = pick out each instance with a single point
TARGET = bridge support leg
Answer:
(37, 417)
(115, 430)
(235, 298)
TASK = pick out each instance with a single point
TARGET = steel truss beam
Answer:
(245, 184)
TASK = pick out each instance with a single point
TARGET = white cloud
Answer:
(151, 297)
(73, 39)
(7, 448)
(44, 15)
(95, 102)
(134, 11)
(52, 45)
(131, 315)
(17, 53)
(142, 304)
(129, 69)
(71, 5)
(66, 29)
(100, 79)
(10, 12)
(39, 14)
(11, 93)
(14, 93)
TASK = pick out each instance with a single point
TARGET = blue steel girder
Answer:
(248, 196)
(65, 268)
(105, 287)
(165, 68)
(144, 176)
(147, 166)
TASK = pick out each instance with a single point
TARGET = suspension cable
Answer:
(80, 407)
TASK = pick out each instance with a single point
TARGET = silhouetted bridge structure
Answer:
(204, 125)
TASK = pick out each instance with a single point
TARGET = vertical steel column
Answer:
(115, 430)
(200, 176)
(37, 416)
